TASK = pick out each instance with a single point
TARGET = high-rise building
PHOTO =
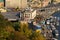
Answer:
(16, 3)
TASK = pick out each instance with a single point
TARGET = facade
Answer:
(29, 15)
(16, 3)
(39, 3)
(58, 1)
(46, 2)
(1, 3)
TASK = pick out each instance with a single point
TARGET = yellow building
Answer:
(3, 10)
(29, 15)
(58, 1)
(39, 3)
(1, 4)
(16, 3)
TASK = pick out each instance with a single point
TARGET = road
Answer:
(48, 11)
(57, 14)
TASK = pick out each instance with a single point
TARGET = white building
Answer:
(16, 3)
(30, 14)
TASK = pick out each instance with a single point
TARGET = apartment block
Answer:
(16, 3)
(40, 3)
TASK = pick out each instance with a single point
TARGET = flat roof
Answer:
(11, 15)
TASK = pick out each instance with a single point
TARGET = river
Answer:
(57, 14)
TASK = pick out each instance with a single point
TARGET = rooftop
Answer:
(29, 10)
(53, 5)
(11, 15)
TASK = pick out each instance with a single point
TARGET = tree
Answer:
(23, 32)
(17, 9)
(5, 26)
(20, 36)
(37, 36)
(16, 26)
(24, 28)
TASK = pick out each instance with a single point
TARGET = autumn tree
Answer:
(25, 33)
(37, 36)
(5, 28)
(17, 31)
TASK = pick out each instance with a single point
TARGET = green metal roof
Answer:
(1, 0)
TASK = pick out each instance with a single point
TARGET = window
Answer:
(27, 15)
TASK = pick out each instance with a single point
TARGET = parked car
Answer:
(55, 33)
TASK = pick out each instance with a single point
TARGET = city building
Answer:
(57, 1)
(11, 16)
(16, 3)
(39, 3)
(29, 15)
(54, 1)
(1, 3)
(46, 3)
